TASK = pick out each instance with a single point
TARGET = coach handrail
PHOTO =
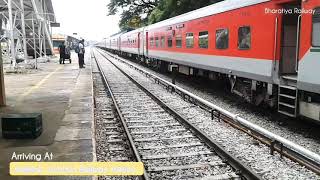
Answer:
(295, 147)
(298, 43)
(275, 43)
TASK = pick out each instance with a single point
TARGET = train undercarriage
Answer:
(255, 92)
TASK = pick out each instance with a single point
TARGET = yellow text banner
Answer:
(76, 168)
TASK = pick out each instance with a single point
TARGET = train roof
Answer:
(117, 34)
(216, 8)
(135, 31)
(132, 32)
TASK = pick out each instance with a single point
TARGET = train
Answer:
(268, 51)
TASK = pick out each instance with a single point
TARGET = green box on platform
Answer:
(21, 126)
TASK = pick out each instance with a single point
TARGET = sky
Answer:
(87, 18)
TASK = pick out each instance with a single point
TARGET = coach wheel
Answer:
(70, 61)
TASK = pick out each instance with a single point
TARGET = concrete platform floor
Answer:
(64, 96)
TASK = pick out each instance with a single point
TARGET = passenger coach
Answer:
(268, 50)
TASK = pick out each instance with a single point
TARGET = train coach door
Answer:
(138, 41)
(290, 41)
(146, 44)
(119, 44)
(287, 92)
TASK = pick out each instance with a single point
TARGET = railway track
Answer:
(276, 143)
(110, 134)
(168, 144)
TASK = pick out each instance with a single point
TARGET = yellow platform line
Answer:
(38, 85)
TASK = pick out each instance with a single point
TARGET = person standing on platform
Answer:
(80, 50)
(62, 52)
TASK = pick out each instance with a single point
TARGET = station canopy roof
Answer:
(31, 7)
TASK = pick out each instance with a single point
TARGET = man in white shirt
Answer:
(81, 52)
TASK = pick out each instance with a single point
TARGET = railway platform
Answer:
(63, 94)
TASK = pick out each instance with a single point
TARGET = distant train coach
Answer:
(59, 39)
(268, 50)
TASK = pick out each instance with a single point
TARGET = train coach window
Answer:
(203, 39)
(151, 42)
(189, 40)
(157, 42)
(178, 41)
(163, 41)
(222, 39)
(316, 28)
(170, 41)
(244, 37)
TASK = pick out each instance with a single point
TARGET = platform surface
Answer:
(64, 96)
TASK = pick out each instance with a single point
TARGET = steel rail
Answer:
(240, 168)
(130, 139)
(277, 143)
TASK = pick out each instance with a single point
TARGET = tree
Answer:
(171, 8)
(137, 13)
(134, 13)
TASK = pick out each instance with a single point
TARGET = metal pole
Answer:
(174, 74)
(47, 33)
(44, 41)
(13, 53)
(45, 27)
(24, 38)
(2, 88)
(40, 38)
(34, 43)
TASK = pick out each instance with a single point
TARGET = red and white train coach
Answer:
(269, 50)
(130, 42)
(114, 42)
